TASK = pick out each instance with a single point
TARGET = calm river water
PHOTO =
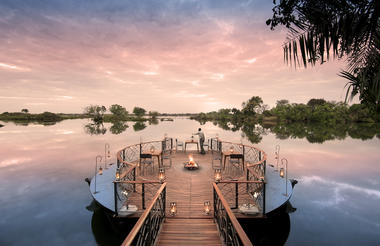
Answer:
(45, 201)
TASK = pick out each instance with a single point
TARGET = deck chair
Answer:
(237, 160)
(146, 159)
(178, 144)
(216, 158)
(166, 155)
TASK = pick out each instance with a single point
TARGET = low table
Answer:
(191, 142)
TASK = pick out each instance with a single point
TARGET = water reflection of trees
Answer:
(138, 126)
(118, 127)
(95, 129)
(319, 133)
(313, 133)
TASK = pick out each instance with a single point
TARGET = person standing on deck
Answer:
(201, 140)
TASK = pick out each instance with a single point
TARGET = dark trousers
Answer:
(201, 141)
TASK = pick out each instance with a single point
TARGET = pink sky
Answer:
(171, 56)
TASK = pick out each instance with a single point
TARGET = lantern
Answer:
(125, 193)
(152, 149)
(161, 175)
(173, 208)
(117, 175)
(232, 149)
(282, 172)
(218, 175)
(284, 163)
(100, 171)
(207, 207)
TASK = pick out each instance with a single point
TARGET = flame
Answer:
(191, 161)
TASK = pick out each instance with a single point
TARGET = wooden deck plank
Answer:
(189, 232)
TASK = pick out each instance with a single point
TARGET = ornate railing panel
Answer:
(229, 228)
(215, 144)
(244, 193)
(123, 189)
(226, 146)
(148, 226)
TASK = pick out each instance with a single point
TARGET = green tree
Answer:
(25, 110)
(314, 102)
(282, 102)
(252, 106)
(118, 111)
(96, 112)
(139, 112)
(344, 28)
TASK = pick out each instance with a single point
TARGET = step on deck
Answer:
(189, 231)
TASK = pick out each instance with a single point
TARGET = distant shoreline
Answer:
(48, 117)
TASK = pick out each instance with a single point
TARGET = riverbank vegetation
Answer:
(315, 111)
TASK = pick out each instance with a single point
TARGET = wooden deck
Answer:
(190, 189)
(189, 231)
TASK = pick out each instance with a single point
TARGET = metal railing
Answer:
(252, 155)
(127, 162)
(149, 224)
(131, 154)
(244, 193)
(228, 226)
(123, 187)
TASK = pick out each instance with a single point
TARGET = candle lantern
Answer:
(282, 172)
(207, 207)
(232, 149)
(117, 175)
(100, 171)
(284, 163)
(125, 193)
(218, 175)
(152, 149)
(161, 175)
(173, 208)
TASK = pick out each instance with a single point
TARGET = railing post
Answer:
(115, 196)
(214, 201)
(264, 198)
(236, 195)
(134, 179)
(247, 178)
(118, 162)
(143, 195)
(123, 154)
(264, 186)
(171, 145)
(164, 202)
(265, 167)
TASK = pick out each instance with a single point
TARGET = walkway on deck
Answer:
(192, 231)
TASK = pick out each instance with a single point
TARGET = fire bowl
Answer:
(190, 165)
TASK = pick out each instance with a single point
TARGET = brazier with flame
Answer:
(191, 164)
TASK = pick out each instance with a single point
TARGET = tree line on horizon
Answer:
(314, 111)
